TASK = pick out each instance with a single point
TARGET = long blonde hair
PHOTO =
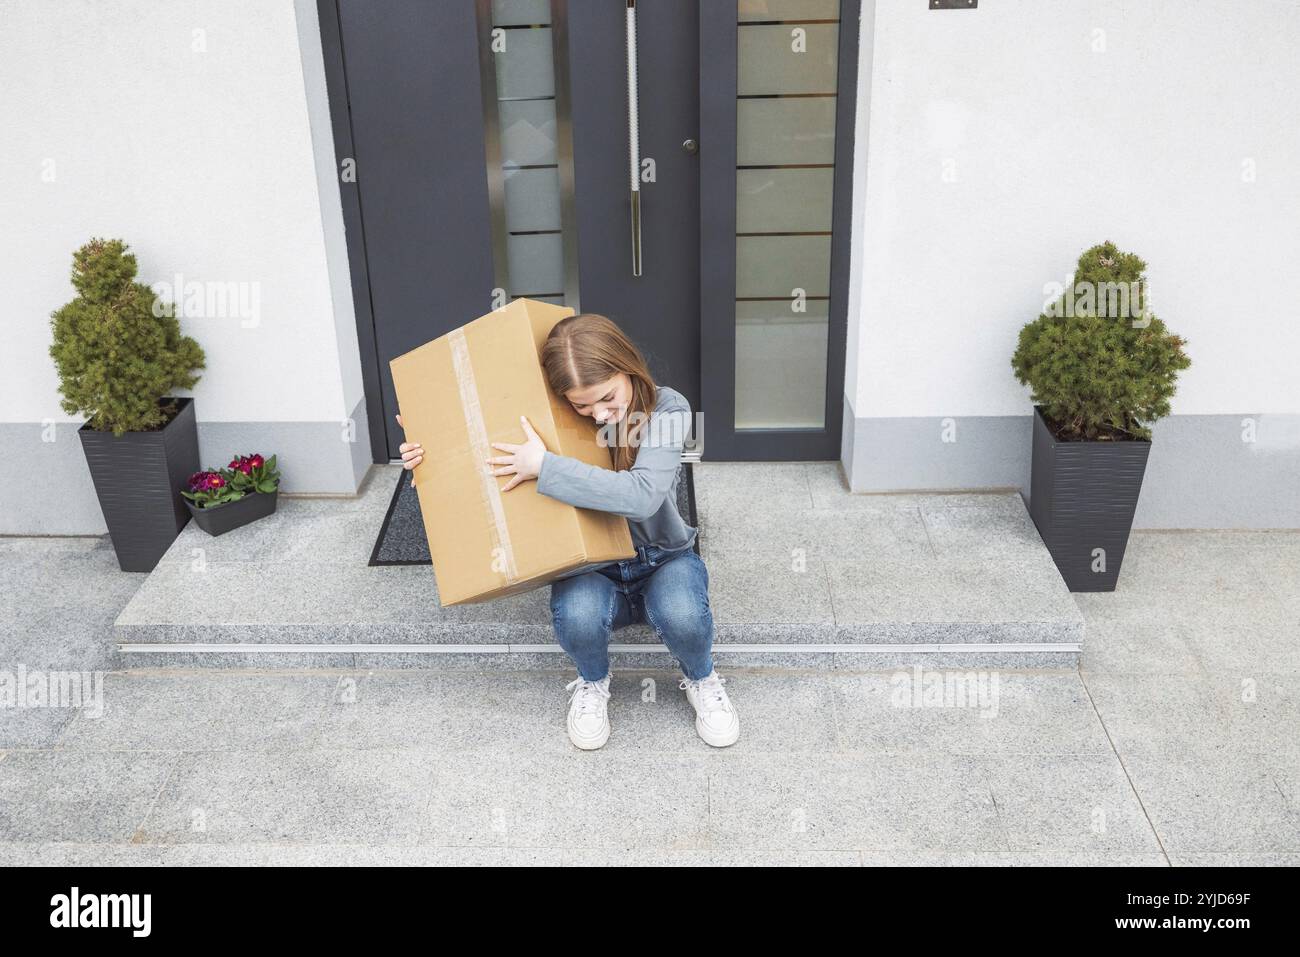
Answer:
(589, 348)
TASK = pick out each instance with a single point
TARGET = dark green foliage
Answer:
(246, 475)
(1099, 365)
(116, 358)
(253, 473)
(211, 488)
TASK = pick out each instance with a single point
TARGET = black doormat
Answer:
(402, 540)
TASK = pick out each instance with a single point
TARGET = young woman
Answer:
(589, 362)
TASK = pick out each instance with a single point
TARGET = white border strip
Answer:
(503, 649)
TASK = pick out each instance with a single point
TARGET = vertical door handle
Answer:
(633, 140)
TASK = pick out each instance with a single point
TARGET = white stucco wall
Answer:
(198, 131)
(1169, 128)
(183, 128)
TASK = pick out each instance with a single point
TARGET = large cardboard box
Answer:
(460, 393)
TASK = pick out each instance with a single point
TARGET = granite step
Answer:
(802, 574)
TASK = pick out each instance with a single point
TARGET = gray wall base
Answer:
(1205, 471)
(45, 485)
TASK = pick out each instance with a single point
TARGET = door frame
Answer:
(718, 60)
(336, 88)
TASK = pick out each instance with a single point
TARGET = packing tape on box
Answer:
(503, 553)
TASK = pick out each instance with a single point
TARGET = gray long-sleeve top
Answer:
(645, 494)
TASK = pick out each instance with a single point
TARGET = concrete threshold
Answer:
(802, 574)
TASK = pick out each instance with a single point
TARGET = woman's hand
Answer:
(412, 452)
(524, 461)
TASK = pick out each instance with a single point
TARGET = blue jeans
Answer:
(667, 590)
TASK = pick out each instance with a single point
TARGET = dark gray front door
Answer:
(491, 151)
(660, 309)
(418, 233)
(491, 148)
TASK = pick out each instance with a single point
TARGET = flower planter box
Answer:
(136, 478)
(219, 519)
(1082, 496)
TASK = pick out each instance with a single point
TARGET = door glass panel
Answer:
(773, 267)
(532, 200)
(802, 10)
(529, 153)
(786, 85)
(536, 264)
(527, 133)
(525, 71)
(780, 365)
(790, 200)
(785, 132)
(520, 12)
(770, 60)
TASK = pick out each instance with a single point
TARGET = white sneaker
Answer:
(715, 717)
(588, 712)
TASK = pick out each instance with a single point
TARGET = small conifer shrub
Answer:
(1098, 362)
(117, 355)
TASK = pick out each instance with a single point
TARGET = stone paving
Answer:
(1173, 742)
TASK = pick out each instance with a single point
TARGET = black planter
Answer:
(222, 518)
(1082, 496)
(138, 477)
